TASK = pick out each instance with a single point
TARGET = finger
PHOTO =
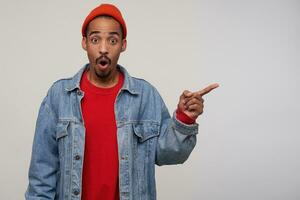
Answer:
(207, 89)
(185, 96)
(193, 115)
(196, 112)
(196, 96)
(187, 93)
(195, 107)
(194, 101)
(182, 97)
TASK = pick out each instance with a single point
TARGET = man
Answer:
(100, 133)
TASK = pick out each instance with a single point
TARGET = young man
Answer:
(100, 133)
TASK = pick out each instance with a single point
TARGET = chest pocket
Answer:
(61, 137)
(62, 129)
(145, 131)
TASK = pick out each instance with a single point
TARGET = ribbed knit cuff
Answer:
(181, 116)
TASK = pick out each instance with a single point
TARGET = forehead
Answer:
(104, 23)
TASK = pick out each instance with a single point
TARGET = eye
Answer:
(113, 41)
(94, 40)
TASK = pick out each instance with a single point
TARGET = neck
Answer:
(104, 82)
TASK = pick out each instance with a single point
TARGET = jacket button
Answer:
(77, 157)
(125, 194)
(76, 192)
(124, 157)
(79, 92)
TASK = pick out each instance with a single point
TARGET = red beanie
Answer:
(105, 9)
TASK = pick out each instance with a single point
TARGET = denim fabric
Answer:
(147, 135)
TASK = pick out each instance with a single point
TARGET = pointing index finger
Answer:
(207, 89)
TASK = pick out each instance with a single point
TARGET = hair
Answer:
(107, 17)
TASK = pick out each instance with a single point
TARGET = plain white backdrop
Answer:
(249, 144)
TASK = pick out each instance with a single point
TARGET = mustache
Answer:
(103, 57)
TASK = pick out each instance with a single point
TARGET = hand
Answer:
(191, 103)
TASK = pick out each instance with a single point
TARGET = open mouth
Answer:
(103, 62)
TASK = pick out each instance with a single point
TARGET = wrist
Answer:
(181, 116)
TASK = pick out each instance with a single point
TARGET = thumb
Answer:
(183, 99)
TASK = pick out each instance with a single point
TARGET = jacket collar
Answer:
(129, 84)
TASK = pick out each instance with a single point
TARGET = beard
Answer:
(103, 74)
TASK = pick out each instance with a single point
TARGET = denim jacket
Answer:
(146, 133)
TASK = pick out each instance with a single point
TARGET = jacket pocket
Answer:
(145, 131)
(144, 146)
(62, 129)
(61, 137)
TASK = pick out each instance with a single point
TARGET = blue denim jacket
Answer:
(147, 135)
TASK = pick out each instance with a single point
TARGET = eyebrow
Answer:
(110, 33)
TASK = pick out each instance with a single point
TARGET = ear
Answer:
(124, 45)
(83, 43)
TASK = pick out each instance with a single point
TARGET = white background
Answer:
(248, 146)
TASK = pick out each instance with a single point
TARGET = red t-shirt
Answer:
(100, 178)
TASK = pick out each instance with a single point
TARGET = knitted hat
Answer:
(105, 9)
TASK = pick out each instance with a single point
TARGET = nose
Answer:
(103, 48)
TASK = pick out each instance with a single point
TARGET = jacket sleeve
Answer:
(44, 159)
(176, 140)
